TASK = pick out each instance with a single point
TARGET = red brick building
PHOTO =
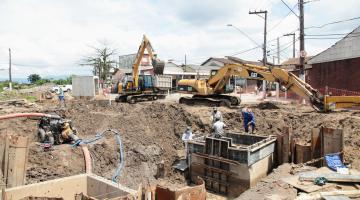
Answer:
(338, 67)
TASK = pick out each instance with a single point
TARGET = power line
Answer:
(330, 34)
(327, 38)
(335, 22)
(282, 19)
(289, 8)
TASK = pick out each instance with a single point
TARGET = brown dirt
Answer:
(151, 134)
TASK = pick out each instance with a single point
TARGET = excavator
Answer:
(213, 91)
(141, 87)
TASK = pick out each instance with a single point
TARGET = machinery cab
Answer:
(230, 85)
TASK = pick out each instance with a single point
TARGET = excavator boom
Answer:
(214, 86)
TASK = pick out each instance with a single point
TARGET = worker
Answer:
(218, 128)
(61, 96)
(216, 114)
(249, 119)
(186, 137)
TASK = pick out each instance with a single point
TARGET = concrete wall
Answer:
(66, 188)
(242, 178)
(342, 74)
(85, 86)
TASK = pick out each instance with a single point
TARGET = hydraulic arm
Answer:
(214, 86)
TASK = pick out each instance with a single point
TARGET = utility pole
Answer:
(292, 34)
(278, 51)
(302, 42)
(265, 32)
(10, 79)
(264, 47)
(185, 63)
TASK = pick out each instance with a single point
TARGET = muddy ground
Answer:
(151, 133)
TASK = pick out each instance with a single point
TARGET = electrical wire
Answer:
(289, 8)
(282, 19)
(335, 22)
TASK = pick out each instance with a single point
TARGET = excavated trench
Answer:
(151, 134)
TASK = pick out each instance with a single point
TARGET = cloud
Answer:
(50, 37)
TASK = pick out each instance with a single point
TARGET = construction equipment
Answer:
(142, 87)
(56, 130)
(212, 90)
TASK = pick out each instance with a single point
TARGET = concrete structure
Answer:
(85, 86)
(67, 188)
(338, 66)
(232, 164)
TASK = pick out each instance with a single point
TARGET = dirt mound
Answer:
(151, 134)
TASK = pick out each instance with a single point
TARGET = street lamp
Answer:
(242, 32)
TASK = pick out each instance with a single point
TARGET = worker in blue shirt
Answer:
(249, 119)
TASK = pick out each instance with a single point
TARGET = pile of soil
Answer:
(151, 134)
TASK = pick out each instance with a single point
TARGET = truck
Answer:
(65, 88)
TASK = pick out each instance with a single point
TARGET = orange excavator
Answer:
(142, 87)
(213, 91)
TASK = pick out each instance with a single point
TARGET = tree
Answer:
(33, 78)
(101, 61)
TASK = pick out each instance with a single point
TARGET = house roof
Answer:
(295, 61)
(232, 59)
(346, 48)
(222, 60)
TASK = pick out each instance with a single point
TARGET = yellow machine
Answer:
(212, 91)
(140, 87)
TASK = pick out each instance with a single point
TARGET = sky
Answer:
(50, 37)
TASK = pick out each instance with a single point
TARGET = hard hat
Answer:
(188, 128)
(217, 117)
(215, 108)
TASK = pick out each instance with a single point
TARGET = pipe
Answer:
(87, 157)
(18, 115)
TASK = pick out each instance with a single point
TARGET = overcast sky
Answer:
(49, 37)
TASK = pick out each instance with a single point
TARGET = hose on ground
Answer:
(99, 136)
(18, 115)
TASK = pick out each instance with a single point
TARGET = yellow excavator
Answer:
(213, 91)
(141, 87)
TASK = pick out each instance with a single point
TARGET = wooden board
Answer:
(279, 149)
(306, 186)
(332, 177)
(286, 143)
(17, 155)
(303, 153)
(316, 145)
(332, 141)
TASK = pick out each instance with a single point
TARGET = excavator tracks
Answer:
(211, 100)
(133, 98)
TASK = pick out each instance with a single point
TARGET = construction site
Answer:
(144, 126)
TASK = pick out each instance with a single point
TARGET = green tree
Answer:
(33, 78)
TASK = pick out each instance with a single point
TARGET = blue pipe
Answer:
(99, 136)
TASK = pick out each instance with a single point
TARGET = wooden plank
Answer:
(332, 141)
(17, 159)
(335, 197)
(279, 149)
(341, 192)
(6, 160)
(286, 131)
(333, 177)
(306, 186)
(302, 153)
(316, 145)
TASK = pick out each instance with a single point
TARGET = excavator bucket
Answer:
(158, 66)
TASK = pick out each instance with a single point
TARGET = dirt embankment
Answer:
(151, 134)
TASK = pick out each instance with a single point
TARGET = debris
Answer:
(346, 178)
(267, 105)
